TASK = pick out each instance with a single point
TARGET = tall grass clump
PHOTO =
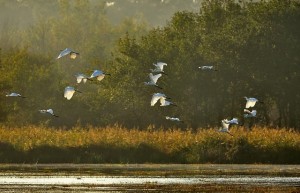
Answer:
(115, 144)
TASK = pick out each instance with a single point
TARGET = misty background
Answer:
(253, 44)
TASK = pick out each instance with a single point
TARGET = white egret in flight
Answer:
(233, 121)
(159, 67)
(82, 78)
(225, 127)
(69, 91)
(13, 94)
(207, 68)
(108, 4)
(249, 114)
(251, 102)
(67, 51)
(156, 97)
(164, 102)
(98, 74)
(173, 119)
(50, 111)
(153, 80)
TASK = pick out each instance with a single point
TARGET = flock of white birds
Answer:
(155, 74)
(250, 102)
(69, 90)
(162, 98)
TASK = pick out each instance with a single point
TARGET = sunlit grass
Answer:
(203, 145)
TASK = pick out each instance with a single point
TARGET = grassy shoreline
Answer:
(116, 144)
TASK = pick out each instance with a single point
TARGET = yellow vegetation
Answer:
(167, 141)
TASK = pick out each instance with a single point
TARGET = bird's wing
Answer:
(154, 78)
(253, 113)
(234, 121)
(96, 73)
(252, 99)
(161, 65)
(69, 88)
(50, 111)
(225, 125)
(167, 103)
(79, 79)
(247, 111)
(159, 95)
(68, 93)
(204, 67)
(250, 103)
(162, 101)
(64, 53)
(154, 99)
(151, 77)
(73, 55)
(100, 77)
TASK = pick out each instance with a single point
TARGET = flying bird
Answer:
(207, 68)
(156, 97)
(249, 114)
(50, 111)
(159, 68)
(67, 51)
(153, 80)
(233, 121)
(108, 4)
(164, 102)
(251, 102)
(69, 91)
(173, 119)
(82, 78)
(13, 94)
(98, 74)
(225, 127)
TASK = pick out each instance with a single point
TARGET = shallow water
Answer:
(149, 177)
(86, 180)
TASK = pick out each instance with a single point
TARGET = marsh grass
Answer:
(116, 144)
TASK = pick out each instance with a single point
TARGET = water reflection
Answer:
(134, 178)
(87, 180)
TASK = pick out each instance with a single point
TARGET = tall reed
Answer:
(116, 144)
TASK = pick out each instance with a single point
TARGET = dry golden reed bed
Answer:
(172, 145)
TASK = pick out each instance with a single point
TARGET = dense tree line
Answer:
(254, 46)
